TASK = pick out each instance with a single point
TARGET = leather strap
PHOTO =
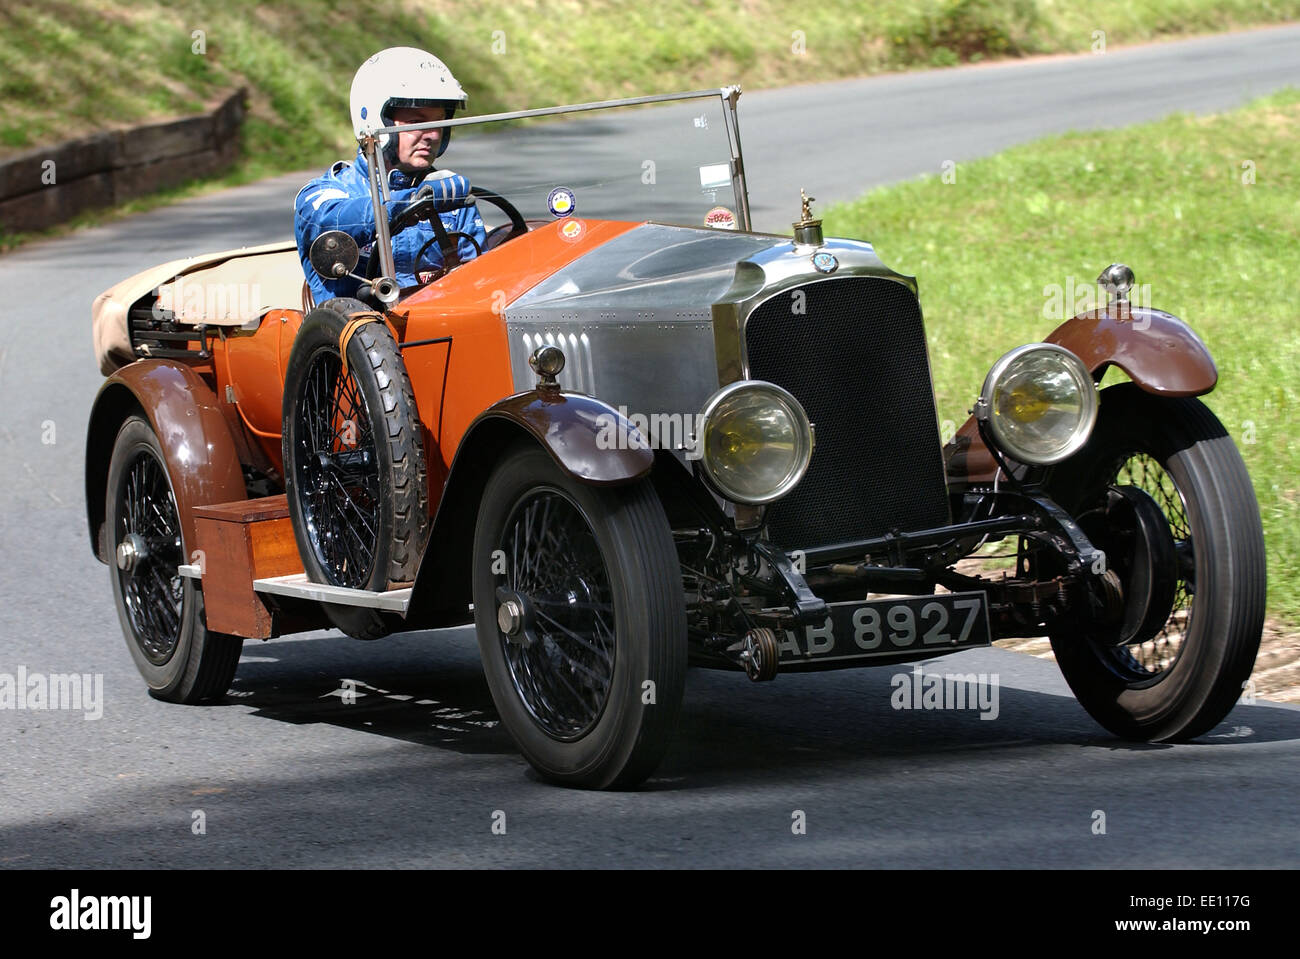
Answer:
(355, 322)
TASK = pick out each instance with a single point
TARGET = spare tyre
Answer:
(354, 459)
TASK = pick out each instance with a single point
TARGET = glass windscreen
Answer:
(667, 162)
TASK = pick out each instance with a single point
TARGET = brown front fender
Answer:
(569, 426)
(588, 439)
(202, 458)
(1158, 351)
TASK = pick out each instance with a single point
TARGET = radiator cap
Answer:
(807, 230)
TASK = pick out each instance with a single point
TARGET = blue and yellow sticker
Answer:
(561, 201)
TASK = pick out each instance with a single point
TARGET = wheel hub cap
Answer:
(510, 617)
(130, 552)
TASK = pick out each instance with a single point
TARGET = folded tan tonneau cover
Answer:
(229, 288)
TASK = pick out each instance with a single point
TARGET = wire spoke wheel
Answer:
(1184, 663)
(562, 664)
(1149, 659)
(354, 460)
(148, 546)
(581, 619)
(162, 613)
(337, 469)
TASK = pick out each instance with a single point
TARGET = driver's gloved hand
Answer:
(447, 190)
(440, 192)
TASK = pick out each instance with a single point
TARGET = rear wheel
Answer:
(1183, 673)
(581, 621)
(161, 612)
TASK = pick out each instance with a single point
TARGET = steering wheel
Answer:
(447, 246)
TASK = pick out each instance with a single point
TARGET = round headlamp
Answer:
(1039, 403)
(755, 442)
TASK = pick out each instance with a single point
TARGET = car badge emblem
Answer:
(571, 230)
(561, 201)
(824, 262)
(720, 218)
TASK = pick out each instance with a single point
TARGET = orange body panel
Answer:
(453, 382)
(254, 364)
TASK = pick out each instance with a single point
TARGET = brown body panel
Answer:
(203, 460)
(566, 425)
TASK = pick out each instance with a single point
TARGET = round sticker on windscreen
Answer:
(720, 218)
(561, 201)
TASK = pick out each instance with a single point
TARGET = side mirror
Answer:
(334, 254)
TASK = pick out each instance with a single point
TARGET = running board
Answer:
(298, 586)
(246, 553)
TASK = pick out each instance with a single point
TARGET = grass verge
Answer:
(1206, 210)
(73, 66)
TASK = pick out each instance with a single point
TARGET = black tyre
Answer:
(1185, 678)
(354, 461)
(161, 611)
(588, 668)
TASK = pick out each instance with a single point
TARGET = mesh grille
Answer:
(856, 359)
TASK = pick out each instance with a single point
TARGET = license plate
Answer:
(887, 627)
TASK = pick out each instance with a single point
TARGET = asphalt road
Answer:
(286, 774)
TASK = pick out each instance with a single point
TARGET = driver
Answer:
(399, 85)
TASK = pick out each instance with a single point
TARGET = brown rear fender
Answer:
(202, 458)
(1158, 351)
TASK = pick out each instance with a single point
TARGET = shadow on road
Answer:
(428, 689)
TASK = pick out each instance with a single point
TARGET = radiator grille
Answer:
(852, 350)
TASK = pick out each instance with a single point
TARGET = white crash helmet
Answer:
(402, 77)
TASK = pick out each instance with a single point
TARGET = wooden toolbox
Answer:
(240, 542)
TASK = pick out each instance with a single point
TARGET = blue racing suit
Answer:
(340, 200)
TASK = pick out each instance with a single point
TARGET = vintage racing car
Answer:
(634, 434)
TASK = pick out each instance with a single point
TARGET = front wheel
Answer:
(1180, 675)
(581, 621)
